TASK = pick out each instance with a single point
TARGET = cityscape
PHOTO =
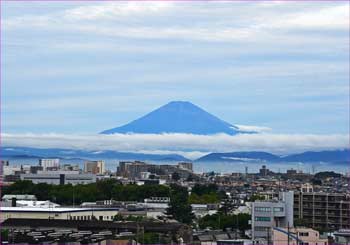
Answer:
(145, 203)
(175, 122)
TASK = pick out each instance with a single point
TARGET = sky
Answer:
(83, 67)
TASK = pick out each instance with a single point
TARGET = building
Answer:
(25, 197)
(186, 165)
(60, 179)
(135, 170)
(342, 236)
(11, 169)
(157, 200)
(264, 171)
(35, 169)
(297, 236)
(60, 213)
(272, 213)
(94, 167)
(49, 163)
(322, 210)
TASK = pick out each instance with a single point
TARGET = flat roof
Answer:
(54, 209)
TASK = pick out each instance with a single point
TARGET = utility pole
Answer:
(288, 233)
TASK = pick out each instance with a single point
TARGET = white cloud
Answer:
(116, 10)
(199, 21)
(248, 128)
(187, 144)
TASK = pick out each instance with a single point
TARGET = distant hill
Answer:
(178, 117)
(28, 152)
(320, 156)
(240, 156)
(334, 156)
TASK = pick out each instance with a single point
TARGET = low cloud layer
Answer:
(191, 146)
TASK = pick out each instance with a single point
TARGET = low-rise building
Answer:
(20, 197)
(58, 213)
(59, 179)
(297, 236)
(342, 236)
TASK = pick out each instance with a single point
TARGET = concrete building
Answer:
(186, 165)
(59, 179)
(49, 163)
(342, 236)
(58, 213)
(272, 213)
(297, 236)
(25, 197)
(321, 210)
(94, 167)
(135, 170)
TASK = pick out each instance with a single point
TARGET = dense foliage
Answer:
(202, 194)
(179, 207)
(222, 221)
(101, 190)
(327, 174)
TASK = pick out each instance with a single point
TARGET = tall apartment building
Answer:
(186, 165)
(320, 210)
(272, 213)
(49, 163)
(94, 167)
(135, 170)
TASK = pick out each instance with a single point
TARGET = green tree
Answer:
(179, 207)
(222, 221)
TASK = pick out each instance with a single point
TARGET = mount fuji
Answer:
(179, 117)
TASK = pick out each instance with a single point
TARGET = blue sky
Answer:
(80, 68)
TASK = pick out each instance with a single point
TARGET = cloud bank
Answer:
(191, 146)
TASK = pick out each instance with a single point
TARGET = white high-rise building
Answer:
(48, 163)
(272, 213)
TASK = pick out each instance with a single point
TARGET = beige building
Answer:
(94, 167)
(106, 214)
(297, 236)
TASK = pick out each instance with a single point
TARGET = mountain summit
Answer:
(177, 117)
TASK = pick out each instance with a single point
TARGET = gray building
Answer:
(271, 213)
(134, 170)
(60, 178)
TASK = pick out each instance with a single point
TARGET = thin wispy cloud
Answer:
(282, 65)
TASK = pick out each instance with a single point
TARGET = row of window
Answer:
(268, 209)
(89, 217)
(257, 218)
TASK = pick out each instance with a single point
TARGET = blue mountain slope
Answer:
(177, 117)
(28, 152)
(320, 156)
(239, 156)
(331, 156)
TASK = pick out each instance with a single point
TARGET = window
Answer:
(260, 228)
(101, 217)
(262, 209)
(262, 219)
(303, 233)
(278, 209)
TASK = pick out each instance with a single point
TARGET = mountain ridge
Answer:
(341, 156)
(332, 156)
